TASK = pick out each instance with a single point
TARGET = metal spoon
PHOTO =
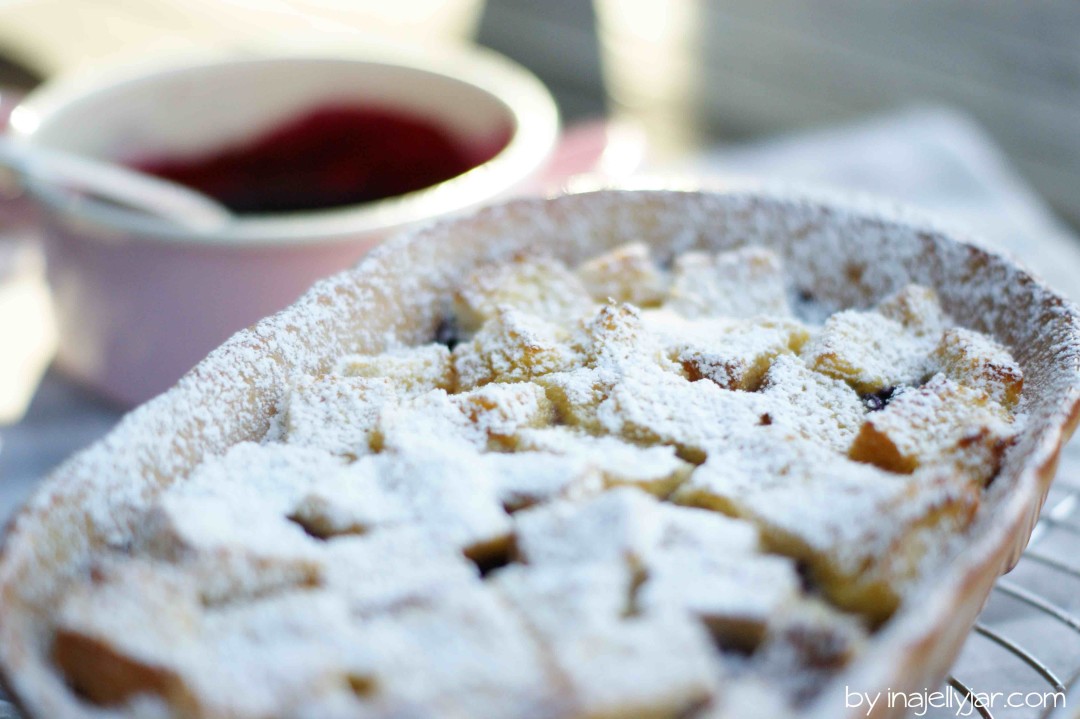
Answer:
(112, 182)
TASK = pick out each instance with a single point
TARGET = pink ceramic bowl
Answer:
(138, 301)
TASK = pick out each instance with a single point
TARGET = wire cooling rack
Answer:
(1025, 647)
(1026, 643)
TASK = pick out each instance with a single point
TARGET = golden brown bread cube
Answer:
(525, 478)
(226, 524)
(96, 668)
(827, 513)
(136, 636)
(613, 662)
(734, 595)
(815, 634)
(651, 406)
(738, 283)
(512, 346)
(260, 552)
(359, 568)
(502, 410)
(811, 405)
(616, 337)
(916, 308)
(656, 470)
(625, 274)
(806, 644)
(576, 395)
(411, 370)
(640, 666)
(869, 351)
(466, 653)
(737, 354)
(117, 631)
(486, 417)
(537, 284)
(625, 527)
(451, 494)
(336, 413)
(977, 361)
(939, 422)
(609, 347)
(349, 502)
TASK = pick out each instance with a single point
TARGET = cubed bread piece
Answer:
(539, 285)
(394, 567)
(618, 527)
(977, 361)
(812, 405)
(126, 630)
(350, 502)
(453, 497)
(226, 523)
(736, 354)
(336, 413)
(277, 474)
(940, 422)
(735, 595)
(622, 526)
(501, 410)
(869, 351)
(576, 395)
(806, 644)
(625, 274)
(512, 346)
(559, 599)
(654, 407)
(468, 654)
(613, 344)
(613, 665)
(270, 657)
(411, 370)
(917, 309)
(231, 551)
(692, 530)
(616, 338)
(489, 416)
(746, 282)
(659, 666)
(656, 470)
(525, 478)
(825, 510)
(809, 635)
(134, 633)
(450, 494)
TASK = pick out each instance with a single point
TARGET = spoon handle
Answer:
(145, 193)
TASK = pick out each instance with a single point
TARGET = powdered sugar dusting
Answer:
(444, 499)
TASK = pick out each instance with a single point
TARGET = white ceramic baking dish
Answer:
(839, 256)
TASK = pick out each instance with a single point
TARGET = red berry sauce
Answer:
(330, 156)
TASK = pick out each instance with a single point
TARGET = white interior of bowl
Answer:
(209, 104)
(197, 110)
